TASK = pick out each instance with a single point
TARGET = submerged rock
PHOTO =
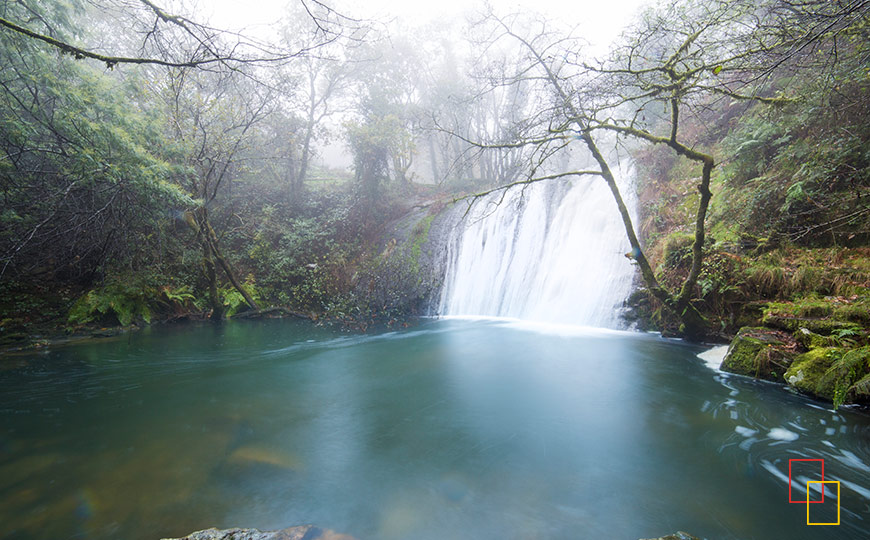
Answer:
(306, 532)
(262, 455)
(760, 352)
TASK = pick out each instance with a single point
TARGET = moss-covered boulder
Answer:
(860, 391)
(835, 374)
(855, 310)
(811, 340)
(760, 352)
(808, 371)
(847, 374)
(823, 316)
(819, 326)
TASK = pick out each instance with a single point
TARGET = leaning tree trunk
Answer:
(693, 325)
(222, 261)
(198, 221)
(217, 306)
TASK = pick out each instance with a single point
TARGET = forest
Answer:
(181, 178)
(362, 175)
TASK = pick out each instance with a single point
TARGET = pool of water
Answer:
(451, 429)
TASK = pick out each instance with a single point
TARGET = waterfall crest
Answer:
(549, 251)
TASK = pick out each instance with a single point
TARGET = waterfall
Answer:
(549, 251)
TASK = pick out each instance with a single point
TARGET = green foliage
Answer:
(128, 298)
(805, 307)
(122, 298)
(371, 142)
(86, 181)
(678, 249)
(420, 235)
(801, 170)
(234, 301)
(388, 287)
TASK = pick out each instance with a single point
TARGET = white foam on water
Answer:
(781, 434)
(852, 460)
(862, 491)
(771, 468)
(713, 357)
(747, 444)
(745, 431)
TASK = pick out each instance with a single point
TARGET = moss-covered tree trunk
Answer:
(693, 324)
(198, 222)
(214, 299)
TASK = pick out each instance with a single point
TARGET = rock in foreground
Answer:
(304, 532)
(760, 352)
(309, 532)
(679, 535)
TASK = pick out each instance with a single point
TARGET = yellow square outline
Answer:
(823, 488)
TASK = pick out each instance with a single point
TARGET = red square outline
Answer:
(808, 493)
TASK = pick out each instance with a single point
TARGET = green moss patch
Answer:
(833, 373)
(808, 370)
(760, 352)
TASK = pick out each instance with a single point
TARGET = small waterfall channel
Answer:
(551, 251)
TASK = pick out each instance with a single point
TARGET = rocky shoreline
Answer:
(310, 532)
(817, 349)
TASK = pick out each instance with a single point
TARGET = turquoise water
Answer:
(452, 429)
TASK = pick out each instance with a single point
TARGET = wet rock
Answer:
(812, 340)
(808, 371)
(819, 326)
(760, 352)
(306, 532)
(833, 373)
(860, 391)
(679, 535)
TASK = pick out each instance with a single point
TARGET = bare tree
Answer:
(684, 57)
(175, 40)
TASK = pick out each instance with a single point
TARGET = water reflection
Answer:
(455, 429)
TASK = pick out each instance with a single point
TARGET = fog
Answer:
(597, 23)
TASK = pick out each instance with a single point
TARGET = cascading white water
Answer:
(552, 252)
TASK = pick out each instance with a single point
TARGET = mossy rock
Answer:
(807, 372)
(13, 338)
(759, 352)
(836, 374)
(855, 312)
(751, 313)
(812, 340)
(860, 391)
(802, 308)
(819, 326)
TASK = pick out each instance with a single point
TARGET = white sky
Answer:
(599, 21)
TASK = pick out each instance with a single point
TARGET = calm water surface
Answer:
(453, 429)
